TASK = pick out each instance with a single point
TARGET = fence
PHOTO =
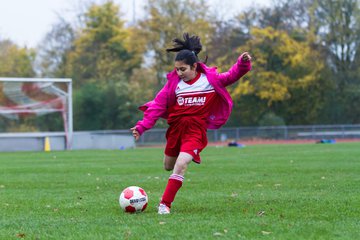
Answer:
(315, 132)
(120, 139)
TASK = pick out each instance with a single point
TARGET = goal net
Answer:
(23, 101)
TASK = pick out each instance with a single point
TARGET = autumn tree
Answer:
(16, 61)
(282, 68)
(101, 64)
(100, 49)
(166, 20)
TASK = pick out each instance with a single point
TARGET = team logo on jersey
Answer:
(191, 101)
(180, 101)
(196, 151)
(195, 101)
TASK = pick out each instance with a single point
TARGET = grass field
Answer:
(300, 191)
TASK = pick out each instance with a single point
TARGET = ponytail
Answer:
(188, 49)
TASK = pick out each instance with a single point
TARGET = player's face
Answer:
(185, 72)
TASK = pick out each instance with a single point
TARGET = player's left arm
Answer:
(238, 70)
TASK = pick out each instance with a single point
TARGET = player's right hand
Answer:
(135, 133)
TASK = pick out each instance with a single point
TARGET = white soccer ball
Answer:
(133, 199)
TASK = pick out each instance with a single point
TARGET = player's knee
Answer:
(180, 168)
(181, 165)
(168, 168)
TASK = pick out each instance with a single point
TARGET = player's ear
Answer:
(194, 66)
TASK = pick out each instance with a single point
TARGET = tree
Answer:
(226, 38)
(167, 20)
(100, 51)
(100, 61)
(283, 68)
(101, 107)
(15, 61)
(53, 52)
(338, 28)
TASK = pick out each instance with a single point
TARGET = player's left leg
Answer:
(175, 182)
(169, 162)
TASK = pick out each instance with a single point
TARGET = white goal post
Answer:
(20, 97)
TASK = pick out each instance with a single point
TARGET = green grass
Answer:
(309, 191)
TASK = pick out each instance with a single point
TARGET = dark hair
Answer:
(187, 49)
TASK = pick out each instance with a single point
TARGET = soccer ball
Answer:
(133, 199)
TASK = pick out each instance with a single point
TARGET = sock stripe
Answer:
(174, 184)
(177, 177)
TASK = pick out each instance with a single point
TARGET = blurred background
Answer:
(306, 57)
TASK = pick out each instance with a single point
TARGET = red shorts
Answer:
(187, 135)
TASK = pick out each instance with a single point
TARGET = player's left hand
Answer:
(245, 57)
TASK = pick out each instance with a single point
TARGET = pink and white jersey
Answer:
(193, 98)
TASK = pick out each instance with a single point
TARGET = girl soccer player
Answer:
(193, 100)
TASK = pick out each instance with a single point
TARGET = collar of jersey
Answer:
(192, 81)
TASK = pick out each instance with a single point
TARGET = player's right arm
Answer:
(153, 110)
